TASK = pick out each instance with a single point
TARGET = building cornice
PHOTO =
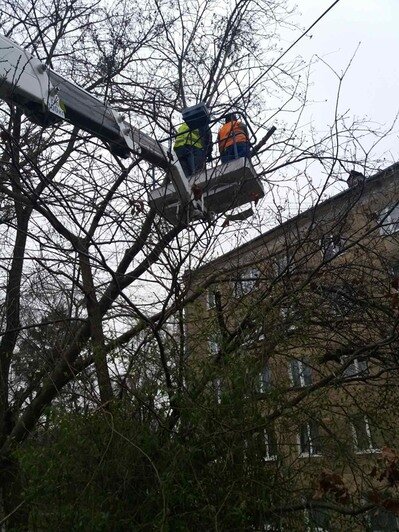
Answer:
(356, 193)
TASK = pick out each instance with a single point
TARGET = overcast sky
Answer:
(371, 85)
(370, 89)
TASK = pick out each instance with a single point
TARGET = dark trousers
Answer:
(191, 159)
(241, 149)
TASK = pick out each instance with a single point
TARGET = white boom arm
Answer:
(47, 98)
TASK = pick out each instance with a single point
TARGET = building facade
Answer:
(295, 336)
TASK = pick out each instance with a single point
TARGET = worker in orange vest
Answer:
(233, 139)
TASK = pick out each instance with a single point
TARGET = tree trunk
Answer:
(96, 329)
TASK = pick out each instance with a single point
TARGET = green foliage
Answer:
(106, 471)
(84, 476)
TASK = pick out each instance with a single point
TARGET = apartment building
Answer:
(296, 335)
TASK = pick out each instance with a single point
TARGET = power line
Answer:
(287, 50)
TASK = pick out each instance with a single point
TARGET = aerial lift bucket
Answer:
(224, 187)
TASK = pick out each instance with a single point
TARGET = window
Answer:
(309, 439)
(342, 300)
(211, 299)
(265, 378)
(213, 345)
(252, 335)
(364, 435)
(394, 287)
(282, 265)
(270, 440)
(380, 520)
(357, 368)
(261, 445)
(389, 220)
(258, 333)
(317, 520)
(301, 373)
(246, 282)
(268, 526)
(217, 387)
(331, 245)
(291, 316)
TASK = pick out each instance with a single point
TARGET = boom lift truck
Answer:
(47, 98)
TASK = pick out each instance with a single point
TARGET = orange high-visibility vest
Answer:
(231, 133)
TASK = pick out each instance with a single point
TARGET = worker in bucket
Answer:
(193, 147)
(233, 139)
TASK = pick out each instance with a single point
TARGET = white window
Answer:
(269, 435)
(252, 336)
(309, 439)
(380, 520)
(317, 520)
(261, 445)
(332, 245)
(217, 386)
(211, 299)
(357, 368)
(344, 300)
(300, 372)
(255, 334)
(290, 316)
(282, 264)
(246, 282)
(394, 289)
(265, 378)
(213, 345)
(389, 220)
(364, 436)
(268, 526)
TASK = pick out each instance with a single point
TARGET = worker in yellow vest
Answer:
(233, 139)
(192, 147)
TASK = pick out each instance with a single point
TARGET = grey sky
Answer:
(371, 86)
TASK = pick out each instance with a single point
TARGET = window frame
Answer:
(283, 264)
(378, 513)
(214, 345)
(302, 363)
(210, 299)
(289, 315)
(357, 372)
(314, 450)
(217, 385)
(310, 519)
(342, 301)
(388, 224)
(246, 281)
(265, 384)
(371, 448)
(259, 445)
(270, 456)
(330, 247)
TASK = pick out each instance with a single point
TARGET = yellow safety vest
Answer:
(187, 137)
